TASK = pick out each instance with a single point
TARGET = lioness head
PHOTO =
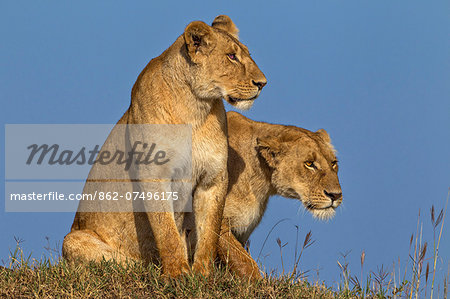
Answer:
(223, 66)
(304, 166)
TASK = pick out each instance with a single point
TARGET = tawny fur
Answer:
(184, 85)
(264, 160)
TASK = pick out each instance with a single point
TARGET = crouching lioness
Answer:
(184, 85)
(264, 160)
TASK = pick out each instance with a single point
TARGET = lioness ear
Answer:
(324, 135)
(226, 24)
(269, 149)
(199, 40)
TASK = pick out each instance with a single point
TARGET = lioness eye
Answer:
(334, 164)
(309, 164)
(232, 56)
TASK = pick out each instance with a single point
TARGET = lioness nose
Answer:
(333, 196)
(259, 84)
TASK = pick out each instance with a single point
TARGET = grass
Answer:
(25, 277)
(134, 280)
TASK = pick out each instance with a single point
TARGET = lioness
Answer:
(264, 160)
(184, 85)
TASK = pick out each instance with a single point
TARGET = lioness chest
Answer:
(210, 146)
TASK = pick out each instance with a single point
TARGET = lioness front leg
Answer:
(172, 251)
(209, 201)
(231, 252)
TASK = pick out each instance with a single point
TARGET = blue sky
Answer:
(374, 74)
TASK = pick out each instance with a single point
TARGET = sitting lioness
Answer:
(264, 160)
(184, 85)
